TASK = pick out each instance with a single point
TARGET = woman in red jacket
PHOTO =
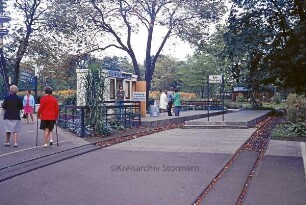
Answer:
(48, 112)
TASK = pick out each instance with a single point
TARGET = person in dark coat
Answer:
(170, 95)
(120, 102)
(12, 105)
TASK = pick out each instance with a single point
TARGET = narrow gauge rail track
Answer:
(258, 142)
(10, 171)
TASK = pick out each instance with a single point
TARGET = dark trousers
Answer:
(169, 108)
(177, 110)
(120, 114)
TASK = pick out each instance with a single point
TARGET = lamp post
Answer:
(3, 32)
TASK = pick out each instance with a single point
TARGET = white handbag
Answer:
(2, 112)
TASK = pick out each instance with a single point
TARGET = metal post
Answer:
(208, 97)
(36, 131)
(139, 115)
(124, 116)
(3, 32)
(223, 98)
(56, 133)
(82, 122)
(35, 90)
(65, 117)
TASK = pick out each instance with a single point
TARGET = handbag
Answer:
(2, 112)
(24, 116)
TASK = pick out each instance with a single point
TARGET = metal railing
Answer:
(203, 105)
(126, 115)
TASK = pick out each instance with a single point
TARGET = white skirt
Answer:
(12, 125)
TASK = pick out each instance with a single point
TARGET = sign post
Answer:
(216, 79)
(223, 98)
(208, 97)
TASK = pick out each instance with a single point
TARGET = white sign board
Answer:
(215, 79)
(139, 96)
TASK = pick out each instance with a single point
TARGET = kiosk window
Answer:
(112, 89)
(127, 89)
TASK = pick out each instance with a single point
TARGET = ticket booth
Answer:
(116, 78)
(112, 80)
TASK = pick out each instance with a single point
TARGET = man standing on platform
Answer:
(170, 95)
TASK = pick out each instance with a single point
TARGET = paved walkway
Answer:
(27, 144)
(241, 119)
(163, 119)
(281, 175)
(167, 168)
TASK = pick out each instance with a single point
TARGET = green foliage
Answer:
(232, 105)
(267, 39)
(290, 130)
(70, 100)
(277, 98)
(194, 72)
(166, 73)
(95, 93)
(240, 98)
(296, 108)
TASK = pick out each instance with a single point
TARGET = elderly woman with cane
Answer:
(48, 112)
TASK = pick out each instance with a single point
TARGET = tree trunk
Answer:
(148, 78)
(20, 53)
(202, 92)
(135, 65)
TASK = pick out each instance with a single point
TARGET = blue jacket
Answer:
(12, 105)
(31, 101)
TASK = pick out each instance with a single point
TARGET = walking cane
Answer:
(36, 130)
(56, 133)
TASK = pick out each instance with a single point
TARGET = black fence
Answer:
(125, 114)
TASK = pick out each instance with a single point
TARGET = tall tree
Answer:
(30, 12)
(119, 20)
(267, 37)
(194, 73)
(166, 73)
(209, 60)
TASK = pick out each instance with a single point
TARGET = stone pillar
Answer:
(81, 89)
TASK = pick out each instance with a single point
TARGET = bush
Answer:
(290, 130)
(277, 98)
(232, 105)
(296, 108)
(70, 100)
(240, 98)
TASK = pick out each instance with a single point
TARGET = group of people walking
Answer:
(168, 99)
(13, 105)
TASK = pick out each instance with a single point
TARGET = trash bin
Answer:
(154, 111)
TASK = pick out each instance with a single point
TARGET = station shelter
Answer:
(112, 80)
(239, 91)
